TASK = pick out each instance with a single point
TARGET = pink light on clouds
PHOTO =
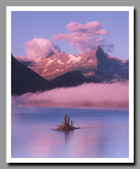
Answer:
(86, 95)
(22, 58)
(39, 47)
(85, 37)
(90, 28)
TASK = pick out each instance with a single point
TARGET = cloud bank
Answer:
(85, 37)
(40, 47)
(22, 58)
(86, 95)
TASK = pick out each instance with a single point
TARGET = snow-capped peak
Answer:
(73, 59)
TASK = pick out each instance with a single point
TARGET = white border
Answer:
(130, 9)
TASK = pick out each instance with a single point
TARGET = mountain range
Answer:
(65, 70)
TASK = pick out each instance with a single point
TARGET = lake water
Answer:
(103, 134)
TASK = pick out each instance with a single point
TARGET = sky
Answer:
(70, 32)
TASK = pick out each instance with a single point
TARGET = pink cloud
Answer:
(23, 58)
(86, 95)
(90, 28)
(85, 37)
(39, 47)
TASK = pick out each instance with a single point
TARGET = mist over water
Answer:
(104, 133)
(86, 95)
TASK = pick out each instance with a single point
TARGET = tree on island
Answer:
(72, 122)
(68, 121)
(66, 125)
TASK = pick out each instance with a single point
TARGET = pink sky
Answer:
(85, 37)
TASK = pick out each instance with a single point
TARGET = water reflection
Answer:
(67, 134)
(101, 136)
(101, 146)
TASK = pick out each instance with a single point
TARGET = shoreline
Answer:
(69, 107)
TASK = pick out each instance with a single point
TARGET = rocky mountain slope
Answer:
(96, 64)
(63, 70)
(25, 80)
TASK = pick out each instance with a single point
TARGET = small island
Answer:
(66, 126)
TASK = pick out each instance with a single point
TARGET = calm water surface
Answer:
(104, 133)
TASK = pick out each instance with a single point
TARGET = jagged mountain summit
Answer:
(63, 70)
(95, 66)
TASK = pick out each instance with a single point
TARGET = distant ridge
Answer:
(95, 64)
(63, 70)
